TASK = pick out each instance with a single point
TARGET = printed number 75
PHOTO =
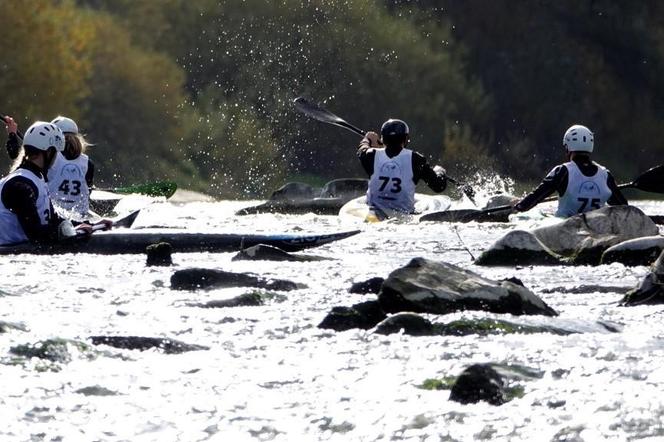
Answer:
(594, 203)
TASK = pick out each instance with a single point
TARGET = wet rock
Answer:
(318, 206)
(96, 390)
(586, 289)
(197, 278)
(500, 200)
(293, 192)
(345, 188)
(364, 315)
(168, 346)
(410, 323)
(53, 350)
(415, 325)
(425, 286)
(262, 252)
(479, 382)
(635, 252)
(8, 326)
(651, 289)
(489, 326)
(159, 254)
(372, 285)
(245, 300)
(580, 239)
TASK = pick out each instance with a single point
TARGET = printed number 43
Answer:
(74, 190)
(594, 203)
(396, 184)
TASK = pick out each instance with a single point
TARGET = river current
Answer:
(271, 374)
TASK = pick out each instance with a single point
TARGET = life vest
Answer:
(391, 186)
(11, 231)
(583, 193)
(67, 186)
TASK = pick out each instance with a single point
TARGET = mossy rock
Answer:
(54, 350)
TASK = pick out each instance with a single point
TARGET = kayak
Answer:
(357, 209)
(129, 242)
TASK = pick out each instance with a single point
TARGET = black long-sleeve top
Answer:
(19, 195)
(556, 181)
(421, 168)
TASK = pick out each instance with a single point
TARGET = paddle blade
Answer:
(159, 188)
(651, 180)
(316, 112)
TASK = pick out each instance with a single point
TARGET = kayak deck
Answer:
(131, 242)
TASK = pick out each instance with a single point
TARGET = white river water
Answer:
(271, 374)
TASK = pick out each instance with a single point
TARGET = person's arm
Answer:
(366, 152)
(437, 181)
(89, 176)
(617, 198)
(20, 196)
(556, 180)
(13, 144)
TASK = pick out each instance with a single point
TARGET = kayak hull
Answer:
(358, 209)
(111, 243)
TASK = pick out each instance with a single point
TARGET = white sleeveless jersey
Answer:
(391, 186)
(583, 193)
(68, 188)
(11, 231)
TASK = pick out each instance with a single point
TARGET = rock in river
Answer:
(580, 239)
(197, 278)
(651, 289)
(426, 286)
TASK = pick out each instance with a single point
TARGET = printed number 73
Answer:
(396, 184)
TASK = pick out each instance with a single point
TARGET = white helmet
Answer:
(43, 135)
(578, 139)
(66, 125)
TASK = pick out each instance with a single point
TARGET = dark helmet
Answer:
(394, 131)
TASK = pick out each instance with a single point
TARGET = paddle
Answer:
(651, 180)
(157, 188)
(316, 112)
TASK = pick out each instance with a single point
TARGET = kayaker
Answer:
(70, 178)
(394, 170)
(581, 183)
(26, 212)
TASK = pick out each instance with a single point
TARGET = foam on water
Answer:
(271, 374)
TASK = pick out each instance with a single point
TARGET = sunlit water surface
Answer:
(271, 374)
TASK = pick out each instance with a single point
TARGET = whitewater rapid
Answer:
(271, 374)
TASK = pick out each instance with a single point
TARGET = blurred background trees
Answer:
(201, 91)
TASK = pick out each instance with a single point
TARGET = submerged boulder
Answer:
(54, 350)
(411, 324)
(293, 192)
(197, 278)
(479, 382)
(300, 198)
(426, 286)
(345, 188)
(371, 285)
(502, 199)
(651, 289)
(262, 252)
(364, 315)
(580, 239)
(168, 346)
(415, 325)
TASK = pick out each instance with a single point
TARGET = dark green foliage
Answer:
(201, 92)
